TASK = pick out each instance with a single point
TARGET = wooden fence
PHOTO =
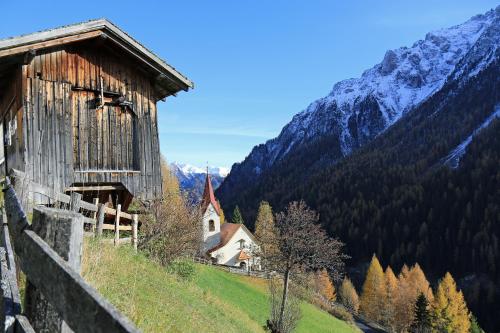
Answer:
(48, 251)
(94, 214)
(235, 270)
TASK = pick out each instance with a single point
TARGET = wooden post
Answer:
(62, 231)
(74, 203)
(94, 215)
(135, 223)
(117, 224)
(101, 212)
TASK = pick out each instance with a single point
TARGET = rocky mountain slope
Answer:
(357, 110)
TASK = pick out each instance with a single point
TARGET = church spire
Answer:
(209, 196)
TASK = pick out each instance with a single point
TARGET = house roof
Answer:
(209, 196)
(20, 45)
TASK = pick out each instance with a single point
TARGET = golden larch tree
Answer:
(265, 230)
(324, 286)
(449, 310)
(222, 217)
(373, 292)
(419, 283)
(348, 295)
(391, 286)
(404, 308)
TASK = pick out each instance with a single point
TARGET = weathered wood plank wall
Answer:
(70, 141)
(11, 110)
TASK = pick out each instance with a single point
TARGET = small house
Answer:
(78, 111)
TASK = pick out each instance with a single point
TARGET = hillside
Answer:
(212, 301)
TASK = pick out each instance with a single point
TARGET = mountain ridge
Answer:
(192, 178)
(359, 109)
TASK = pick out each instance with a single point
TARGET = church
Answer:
(227, 244)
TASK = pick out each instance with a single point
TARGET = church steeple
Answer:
(209, 196)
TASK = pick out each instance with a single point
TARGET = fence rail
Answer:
(234, 270)
(68, 301)
(94, 214)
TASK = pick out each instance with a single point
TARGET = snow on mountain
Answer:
(192, 178)
(188, 170)
(453, 158)
(359, 109)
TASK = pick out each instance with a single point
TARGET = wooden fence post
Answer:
(117, 224)
(62, 231)
(94, 215)
(135, 223)
(101, 212)
(74, 203)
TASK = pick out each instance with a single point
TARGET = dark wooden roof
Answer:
(165, 75)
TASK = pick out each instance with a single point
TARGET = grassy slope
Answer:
(214, 301)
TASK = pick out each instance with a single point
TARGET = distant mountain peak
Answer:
(192, 178)
(188, 169)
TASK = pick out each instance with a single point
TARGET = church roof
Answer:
(209, 196)
(227, 231)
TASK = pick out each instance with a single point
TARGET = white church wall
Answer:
(210, 237)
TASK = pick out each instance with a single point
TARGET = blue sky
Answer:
(254, 63)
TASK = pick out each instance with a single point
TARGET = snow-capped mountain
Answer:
(192, 178)
(359, 109)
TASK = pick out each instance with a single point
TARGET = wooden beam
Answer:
(121, 227)
(108, 171)
(50, 43)
(95, 188)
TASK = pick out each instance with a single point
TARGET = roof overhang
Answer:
(165, 75)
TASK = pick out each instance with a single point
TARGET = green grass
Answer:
(212, 301)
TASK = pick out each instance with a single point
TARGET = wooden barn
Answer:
(78, 111)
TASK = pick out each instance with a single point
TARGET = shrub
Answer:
(182, 268)
(348, 296)
(341, 313)
(173, 229)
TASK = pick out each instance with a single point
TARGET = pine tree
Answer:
(237, 218)
(348, 295)
(391, 285)
(374, 291)
(222, 216)
(422, 317)
(324, 286)
(474, 326)
(449, 311)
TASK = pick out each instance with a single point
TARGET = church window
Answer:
(242, 244)
(211, 225)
